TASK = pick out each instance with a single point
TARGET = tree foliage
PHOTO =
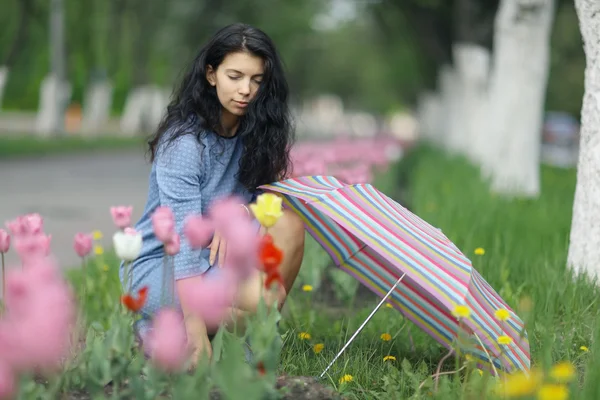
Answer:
(378, 60)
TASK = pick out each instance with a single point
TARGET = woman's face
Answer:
(237, 80)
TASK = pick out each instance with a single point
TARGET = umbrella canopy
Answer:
(377, 241)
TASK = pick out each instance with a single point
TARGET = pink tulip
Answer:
(227, 212)
(83, 244)
(314, 167)
(21, 285)
(210, 297)
(167, 342)
(163, 223)
(121, 216)
(198, 231)
(7, 382)
(35, 223)
(30, 294)
(32, 247)
(26, 225)
(4, 241)
(243, 249)
(172, 246)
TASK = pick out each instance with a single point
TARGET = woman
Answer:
(227, 131)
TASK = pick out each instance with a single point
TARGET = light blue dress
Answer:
(187, 176)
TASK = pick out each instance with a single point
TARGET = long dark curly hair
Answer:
(266, 129)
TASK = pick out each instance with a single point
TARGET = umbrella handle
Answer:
(360, 328)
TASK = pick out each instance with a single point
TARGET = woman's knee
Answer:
(290, 228)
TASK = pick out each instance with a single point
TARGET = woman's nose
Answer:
(244, 87)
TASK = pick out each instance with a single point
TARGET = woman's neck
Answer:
(229, 124)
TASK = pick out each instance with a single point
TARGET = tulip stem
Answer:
(84, 280)
(3, 284)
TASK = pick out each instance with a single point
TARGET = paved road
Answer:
(73, 193)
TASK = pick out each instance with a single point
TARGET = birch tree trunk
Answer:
(3, 79)
(584, 247)
(517, 92)
(472, 67)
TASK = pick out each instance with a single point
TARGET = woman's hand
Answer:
(195, 327)
(218, 245)
(197, 339)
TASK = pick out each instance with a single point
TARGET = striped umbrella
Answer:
(395, 253)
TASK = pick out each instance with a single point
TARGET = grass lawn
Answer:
(525, 243)
(31, 146)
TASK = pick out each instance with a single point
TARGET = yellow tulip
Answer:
(267, 209)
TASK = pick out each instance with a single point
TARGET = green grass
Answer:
(29, 146)
(525, 244)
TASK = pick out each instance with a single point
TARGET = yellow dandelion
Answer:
(304, 336)
(461, 312)
(317, 348)
(389, 358)
(551, 391)
(98, 250)
(504, 340)
(584, 349)
(97, 235)
(502, 314)
(346, 378)
(388, 305)
(105, 268)
(520, 384)
(386, 337)
(479, 251)
(563, 372)
(307, 288)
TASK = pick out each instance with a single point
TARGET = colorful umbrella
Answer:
(391, 250)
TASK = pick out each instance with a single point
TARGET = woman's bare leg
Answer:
(288, 235)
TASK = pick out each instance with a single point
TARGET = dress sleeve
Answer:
(180, 175)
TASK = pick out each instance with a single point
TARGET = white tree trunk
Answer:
(584, 248)
(472, 65)
(450, 92)
(53, 95)
(517, 93)
(96, 107)
(3, 79)
(133, 113)
(428, 116)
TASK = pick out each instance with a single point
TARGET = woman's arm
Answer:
(179, 176)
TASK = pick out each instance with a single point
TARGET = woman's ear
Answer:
(210, 75)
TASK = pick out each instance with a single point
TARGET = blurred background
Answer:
(78, 74)
(372, 59)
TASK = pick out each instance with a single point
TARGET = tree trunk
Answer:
(517, 93)
(58, 64)
(472, 63)
(584, 248)
(3, 78)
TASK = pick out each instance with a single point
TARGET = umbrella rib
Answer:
(360, 328)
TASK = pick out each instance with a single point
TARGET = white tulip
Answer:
(127, 244)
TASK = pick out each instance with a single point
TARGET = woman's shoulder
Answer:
(181, 137)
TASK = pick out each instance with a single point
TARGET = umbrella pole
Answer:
(360, 328)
